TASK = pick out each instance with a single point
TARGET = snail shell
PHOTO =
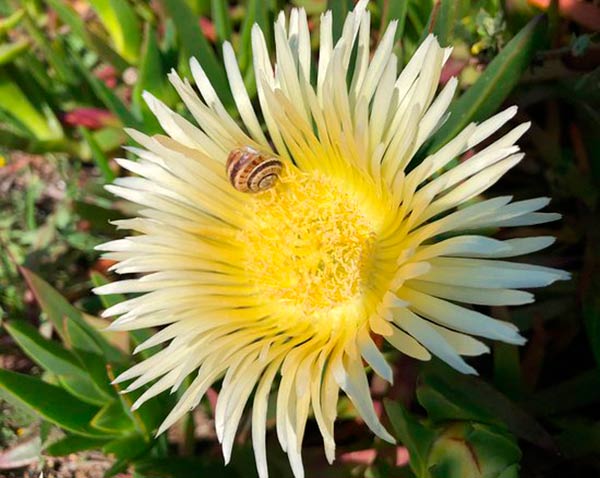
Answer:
(251, 171)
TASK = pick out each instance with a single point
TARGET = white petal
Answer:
(240, 95)
(374, 357)
(472, 295)
(460, 318)
(430, 338)
(355, 384)
(408, 345)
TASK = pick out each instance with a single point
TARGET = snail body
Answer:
(251, 171)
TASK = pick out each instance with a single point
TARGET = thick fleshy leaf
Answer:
(61, 362)
(73, 444)
(128, 447)
(107, 300)
(394, 10)
(222, 19)
(51, 403)
(11, 21)
(447, 395)
(339, 10)
(121, 22)
(112, 418)
(256, 13)
(152, 78)
(17, 105)
(46, 353)
(416, 437)
(79, 28)
(194, 44)
(472, 450)
(493, 86)
(447, 19)
(68, 321)
(10, 51)
(83, 389)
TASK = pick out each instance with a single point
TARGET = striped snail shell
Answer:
(251, 171)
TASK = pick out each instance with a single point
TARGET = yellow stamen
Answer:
(309, 246)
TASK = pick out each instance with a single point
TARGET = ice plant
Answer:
(282, 291)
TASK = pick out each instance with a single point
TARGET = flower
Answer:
(295, 281)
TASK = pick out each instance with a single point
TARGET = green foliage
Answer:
(447, 20)
(80, 399)
(51, 403)
(495, 84)
(122, 25)
(416, 437)
(466, 433)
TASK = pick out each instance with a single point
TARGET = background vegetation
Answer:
(71, 77)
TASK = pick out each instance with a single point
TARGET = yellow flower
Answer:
(294, 281)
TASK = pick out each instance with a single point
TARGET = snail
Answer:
(251, 171)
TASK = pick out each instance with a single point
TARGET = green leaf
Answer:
(394, 10)
(472, 450)
(96, 367)
(194, 44)
(98, 156)
(447, 395)
(339, 10)
(52, 52)
(510, 472)
(419, 11)
(79, 29)
(109, 138)
(57, 360)
(493, 86)
(443, 404)
(256, 12)
(98, 216)
(10, 51)
(46, 353)
(507, 370)
(15, 102)
(10, 22)
(416, 437)
(448, 17)
(128, 447)
(112, 418)
(83, 388)
(50, 402)
(121, 22)
(73, 444)
(221, 19)
(75, 332)
(152, 78)
(107, 300)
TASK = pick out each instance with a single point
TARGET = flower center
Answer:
(309, 245)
